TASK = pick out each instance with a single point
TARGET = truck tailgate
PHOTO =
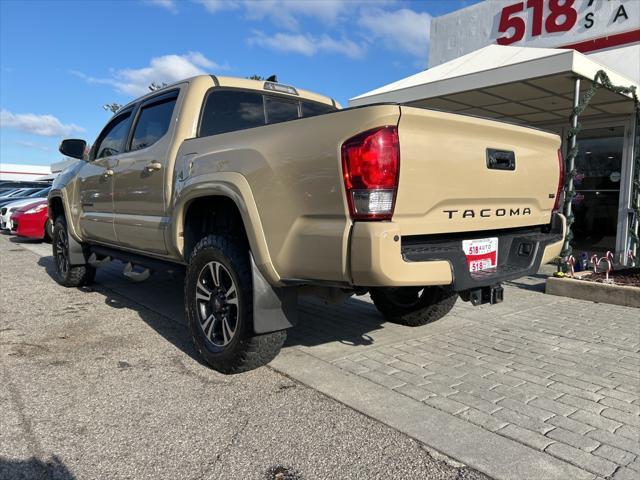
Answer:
(447, 186)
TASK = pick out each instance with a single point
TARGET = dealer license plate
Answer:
(481, 253)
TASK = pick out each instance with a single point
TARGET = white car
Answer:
(7, 210)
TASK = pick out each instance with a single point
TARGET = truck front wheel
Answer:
(414, 306)
(219, 306)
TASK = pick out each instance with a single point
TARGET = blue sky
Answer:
(61, 61)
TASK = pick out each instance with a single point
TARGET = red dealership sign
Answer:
(607, 29)
(534, 18)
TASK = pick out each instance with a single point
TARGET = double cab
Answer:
(264, 192)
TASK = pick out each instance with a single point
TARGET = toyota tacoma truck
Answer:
(264, 192)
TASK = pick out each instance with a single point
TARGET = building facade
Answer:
(607, 31)
(23, 173)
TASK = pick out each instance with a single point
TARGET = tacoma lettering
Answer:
(488, 212)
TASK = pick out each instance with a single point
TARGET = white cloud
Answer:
(375, 22)
(403, 29)
(165, 69)
(215, 6)
(307, 45)
(284, 42)
(166, 4)
(344, 46)
(44, 125)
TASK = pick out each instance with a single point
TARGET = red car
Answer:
(32, 221)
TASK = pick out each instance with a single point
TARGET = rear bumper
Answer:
(381, 257)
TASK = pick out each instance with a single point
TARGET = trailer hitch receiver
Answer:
(479, 296)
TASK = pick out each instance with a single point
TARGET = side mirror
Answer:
(73, 147)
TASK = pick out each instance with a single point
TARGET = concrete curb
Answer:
(595, 292)
(490, 453)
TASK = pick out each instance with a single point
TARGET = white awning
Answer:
(522, 84)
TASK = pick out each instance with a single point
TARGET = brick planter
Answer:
(593, 291)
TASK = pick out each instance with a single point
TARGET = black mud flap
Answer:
(273, 308)
(77, 252)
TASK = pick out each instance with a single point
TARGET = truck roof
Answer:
(245, 83)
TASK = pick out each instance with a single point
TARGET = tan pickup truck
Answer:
(266, 192)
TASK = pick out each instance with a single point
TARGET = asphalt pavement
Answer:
(96, 385)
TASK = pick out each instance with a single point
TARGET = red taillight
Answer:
(370, 166)
(557, 205)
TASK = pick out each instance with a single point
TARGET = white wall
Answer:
(624, 60)
(474, 27)
(17, 172)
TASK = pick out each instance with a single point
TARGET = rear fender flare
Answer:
(235, 187)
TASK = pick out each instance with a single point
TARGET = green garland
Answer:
(601, 80)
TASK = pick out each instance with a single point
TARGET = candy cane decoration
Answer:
(609, 267)
(594, 262)
(631, 257)
(571, 261)
(609, 256)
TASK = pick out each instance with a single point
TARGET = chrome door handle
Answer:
(154, 165)
(108, 173)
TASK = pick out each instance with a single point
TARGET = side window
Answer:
(280, 110)
(230, 110)
(311, 109)
(153, 122)
(113, 137)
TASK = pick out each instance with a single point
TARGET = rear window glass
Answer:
(311, 109)
(231, 110)
(280, 110)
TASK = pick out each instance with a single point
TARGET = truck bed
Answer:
(294, 172)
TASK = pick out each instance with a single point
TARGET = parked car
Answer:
(9, 208)
(32, 221)
(11, 185)
(11, 192)
(265, 192)
(23, 183)
(19, 195)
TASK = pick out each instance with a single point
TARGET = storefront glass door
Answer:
(595, 206)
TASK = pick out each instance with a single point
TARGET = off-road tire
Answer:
(246, 350)
(73, 275)
(430, 304)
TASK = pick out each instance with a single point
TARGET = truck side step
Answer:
(154, 264)
(94, 261)
(134, 276)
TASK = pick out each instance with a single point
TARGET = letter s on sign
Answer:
(508, 21)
